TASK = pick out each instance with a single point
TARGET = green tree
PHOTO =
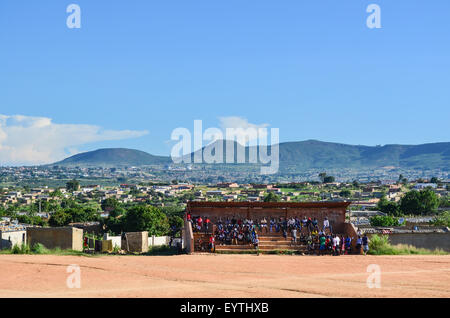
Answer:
(176, 223)
(389, 207)
(328, 179)
(419, 202)
(72, 185)
(56, 193)
(434, 180)
(322, 176)
(59, 218)
(442, 219)
(118, 211)
(272, 197)
(345, 193)
(387, 220)
(110, 204)
(114, 224)
(146, 218)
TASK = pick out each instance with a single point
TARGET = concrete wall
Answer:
(429, 241)
(136, 242)
(62, 237)
(9, 239)
(116, 240)
(188, 237)
(158, 240)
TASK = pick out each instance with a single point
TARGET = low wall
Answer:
(53, 237)
(158, 240)
(10, 238)
(429, 241)
(116, 240)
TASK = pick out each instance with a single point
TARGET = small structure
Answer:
(10, 238)
(53, 237)
(135, 242)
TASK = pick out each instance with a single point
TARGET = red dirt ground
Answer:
(224, 276)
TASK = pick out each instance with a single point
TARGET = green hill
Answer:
(298, 155)
(114, 157)
(318, 154)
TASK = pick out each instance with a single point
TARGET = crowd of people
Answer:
(319, 239)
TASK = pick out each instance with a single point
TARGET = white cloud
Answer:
(243, 124)
(37, 140)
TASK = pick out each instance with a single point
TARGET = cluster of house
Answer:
(366, 193)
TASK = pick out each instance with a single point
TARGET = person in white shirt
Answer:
(336, 244)
(326, 224)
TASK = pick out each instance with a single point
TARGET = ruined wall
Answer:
(10, 238)
(135, 242)
(53, 237)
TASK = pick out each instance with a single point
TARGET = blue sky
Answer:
(138, 69)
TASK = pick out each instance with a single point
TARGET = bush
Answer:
(380, 245)
(442, 220)
(387, 220)
(22, 249)
(38, 248)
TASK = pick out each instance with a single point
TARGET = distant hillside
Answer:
(114, 157)
(318, 154)
(298, 155)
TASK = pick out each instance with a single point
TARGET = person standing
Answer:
(294, 235)
(326, 224)
(212, 245)
(256, 244)
(365, 244)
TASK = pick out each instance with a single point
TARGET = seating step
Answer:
(248, 246)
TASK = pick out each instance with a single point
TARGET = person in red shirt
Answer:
(212, 241)
(207, 221)
(199, 223)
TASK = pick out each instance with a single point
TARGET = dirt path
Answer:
(224, 276)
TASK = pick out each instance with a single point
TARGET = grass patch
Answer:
(39, 249)
(380, 245)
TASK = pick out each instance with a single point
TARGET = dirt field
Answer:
(224, 276)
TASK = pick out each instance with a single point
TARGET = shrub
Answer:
(15, 249)
(442, 219)
(379, 245)
(381, 220)
(38, 248)
(22, 249)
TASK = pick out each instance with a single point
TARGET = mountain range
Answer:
(299, 155)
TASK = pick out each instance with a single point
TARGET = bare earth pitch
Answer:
(224, 276)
